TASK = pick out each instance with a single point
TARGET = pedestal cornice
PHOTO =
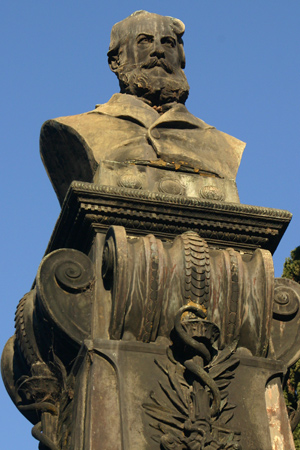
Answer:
(89, 209)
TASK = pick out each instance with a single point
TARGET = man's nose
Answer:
(158, 50)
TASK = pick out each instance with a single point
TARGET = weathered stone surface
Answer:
(146, 123)
(182, 319)
(155, 321)
(90, 209)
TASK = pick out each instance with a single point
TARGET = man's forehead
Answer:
(143, 22)
(157, 25)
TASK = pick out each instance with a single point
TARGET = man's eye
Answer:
(168, 41)
(144, 39)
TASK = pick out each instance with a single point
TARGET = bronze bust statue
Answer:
(146, 124)
(155, 321)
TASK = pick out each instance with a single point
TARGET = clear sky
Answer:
(243, 69)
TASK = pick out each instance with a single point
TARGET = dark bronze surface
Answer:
(155, 321)
(146, 123)
(90, 209)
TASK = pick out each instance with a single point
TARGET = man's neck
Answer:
(161, 109)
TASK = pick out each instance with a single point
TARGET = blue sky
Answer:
(243, 69)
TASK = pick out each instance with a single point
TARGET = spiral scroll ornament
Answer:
(285, 331)
(73, 276)
(286, 299)
(65, 292)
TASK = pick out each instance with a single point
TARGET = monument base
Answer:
(118, 381)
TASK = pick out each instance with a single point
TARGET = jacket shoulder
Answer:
(65, 153)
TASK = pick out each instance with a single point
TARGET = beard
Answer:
(155, 81)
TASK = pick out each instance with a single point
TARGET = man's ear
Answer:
(114, 62)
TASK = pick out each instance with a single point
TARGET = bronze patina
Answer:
(155, 321)
(146, 124)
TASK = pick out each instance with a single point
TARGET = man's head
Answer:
(146, 53)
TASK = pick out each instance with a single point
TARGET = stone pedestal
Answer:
(126, 376)
(261, 412)
(169, 308)
(115, 380)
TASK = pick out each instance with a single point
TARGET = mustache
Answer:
(157, 62)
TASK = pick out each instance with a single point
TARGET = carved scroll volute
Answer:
(65, 292)
(285, 331)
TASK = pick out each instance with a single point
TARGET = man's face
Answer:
(150, 61)
(151, 45)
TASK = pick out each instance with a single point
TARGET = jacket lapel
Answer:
(131, 108)
(128, 107)
(180, 115)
